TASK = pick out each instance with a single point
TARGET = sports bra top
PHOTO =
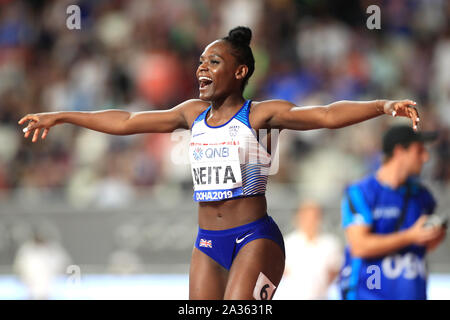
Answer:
(228, 161)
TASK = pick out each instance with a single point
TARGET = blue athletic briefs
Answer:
(400, 275)
(223, 245)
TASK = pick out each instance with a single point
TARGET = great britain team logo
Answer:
(198, 153)
(233, 130)
(205, 243)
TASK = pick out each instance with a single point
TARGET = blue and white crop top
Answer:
(227, 161)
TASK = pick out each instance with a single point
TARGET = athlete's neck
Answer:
(392, 173)
(227, 105)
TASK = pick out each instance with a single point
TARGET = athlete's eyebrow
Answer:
(215, 55)
(212, 56)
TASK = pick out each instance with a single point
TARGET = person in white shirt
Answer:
(38, 263)
(313, 258)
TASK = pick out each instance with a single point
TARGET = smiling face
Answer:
(218, 73)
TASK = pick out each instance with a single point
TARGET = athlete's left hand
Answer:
(403, 108)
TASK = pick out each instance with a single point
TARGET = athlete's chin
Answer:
(205, 96)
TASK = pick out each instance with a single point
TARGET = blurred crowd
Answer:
(142, 55)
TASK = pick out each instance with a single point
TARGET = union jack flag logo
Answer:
(205, 243)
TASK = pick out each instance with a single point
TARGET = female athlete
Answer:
(239, 251)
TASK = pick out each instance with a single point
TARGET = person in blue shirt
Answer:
(384, 216)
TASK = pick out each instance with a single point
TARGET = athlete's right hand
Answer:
(421, 235)
(37, 122)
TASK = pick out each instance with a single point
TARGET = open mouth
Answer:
(204, 82)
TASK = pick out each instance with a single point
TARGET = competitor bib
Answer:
(216, 171)
(227, 161)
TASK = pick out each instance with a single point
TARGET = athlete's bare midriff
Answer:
(221, 215)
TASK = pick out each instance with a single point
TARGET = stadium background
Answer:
(120, 206)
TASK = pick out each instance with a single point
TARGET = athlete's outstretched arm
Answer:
(117, 122)
(285, 115)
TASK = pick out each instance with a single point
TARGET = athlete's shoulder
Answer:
(262, 111)
(194, 105)
(268, 105)
(192, 108)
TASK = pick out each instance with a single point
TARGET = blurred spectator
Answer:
(313, 258)
(38, 263)
(384, 216)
